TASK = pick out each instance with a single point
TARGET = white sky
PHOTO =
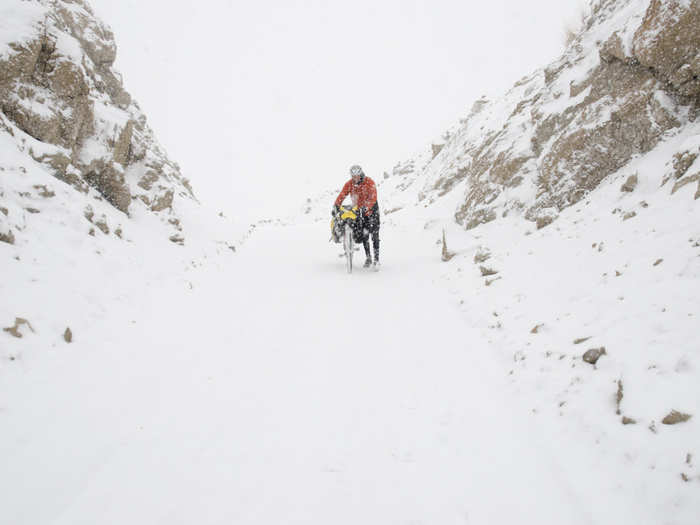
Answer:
(268, 102)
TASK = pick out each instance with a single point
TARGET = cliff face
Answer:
(64, 114)
(628, 81)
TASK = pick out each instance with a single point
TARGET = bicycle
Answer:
(343, 227)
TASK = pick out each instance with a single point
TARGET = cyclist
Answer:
(363, 194)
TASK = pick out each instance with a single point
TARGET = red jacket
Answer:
(363, 194)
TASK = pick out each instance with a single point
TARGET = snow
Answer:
(261, 415)
(245, 377)
(269, 386)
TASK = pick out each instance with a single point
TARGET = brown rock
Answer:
(95, 37)
(619, 395)
(446, 254)
(8, 237)
(477, 218)
(666, 42)
(123, 145)
(44, 191)
(486, 272)
(630, 184)
(592, 355)
(14, 330)
(544, 221)
(628, 421)
(682, 161)
(612, 49)
(148, 179)
(66, 80)
(674, 417)
(110, 183)
(163, 201)
(102, 225)
(685, 181)
(481, 256)
(68, 335)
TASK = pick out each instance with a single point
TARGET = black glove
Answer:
(335, 210)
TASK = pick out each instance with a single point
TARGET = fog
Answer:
(266, 103)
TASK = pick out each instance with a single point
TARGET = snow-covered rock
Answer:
(624, 84)
(66, 117)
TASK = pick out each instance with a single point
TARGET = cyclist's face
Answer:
(356, 178)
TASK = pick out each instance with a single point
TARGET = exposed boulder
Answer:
(630, 184)
(109, 181)
(7, 237)
(674, 417)
(591, 356)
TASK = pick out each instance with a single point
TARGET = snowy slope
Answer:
(561, 131)
(597, 279)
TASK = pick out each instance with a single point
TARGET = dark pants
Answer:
(369, 226)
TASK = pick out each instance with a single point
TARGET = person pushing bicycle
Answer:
(363, 193)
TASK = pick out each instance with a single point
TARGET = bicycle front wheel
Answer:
(348, 246)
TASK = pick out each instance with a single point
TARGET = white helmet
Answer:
(356, 170)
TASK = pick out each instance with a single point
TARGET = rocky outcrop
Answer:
(64, 107)
(624, 82)
(667, 43)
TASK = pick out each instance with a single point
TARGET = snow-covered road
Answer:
(279, 390)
